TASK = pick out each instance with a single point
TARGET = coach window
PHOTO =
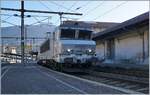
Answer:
(67, 33)
(84, 34)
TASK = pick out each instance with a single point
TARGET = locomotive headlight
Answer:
(68, 50)
(90, 50)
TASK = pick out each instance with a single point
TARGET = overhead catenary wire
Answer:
(72, 5)
(38, 21)
(39, 16)
(25, 15)
(7, 18)
(34, 16)
(6, 15)
(70, 18)
(110, 10)
(91, 10)
(57, 21)
(74, 10)
(8, 37)
(38, 11)
(45, 5)
(3, 21)
(60, 5)
(69, 9)
(78, 8)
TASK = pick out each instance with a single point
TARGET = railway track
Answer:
(127, 82)
(133, 83)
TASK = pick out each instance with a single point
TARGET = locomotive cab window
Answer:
(67, 33)
(84, 34)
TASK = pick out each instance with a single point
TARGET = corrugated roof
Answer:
(130, 22)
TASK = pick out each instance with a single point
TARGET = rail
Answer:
(119, 76)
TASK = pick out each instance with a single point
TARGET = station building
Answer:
(127, 42)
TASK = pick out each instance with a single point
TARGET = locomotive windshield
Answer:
(68, 33)
(75, 34)
(84, 34)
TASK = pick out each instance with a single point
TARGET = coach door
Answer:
(110, 49)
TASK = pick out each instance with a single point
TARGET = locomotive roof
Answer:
(66, 27)
(87, 24)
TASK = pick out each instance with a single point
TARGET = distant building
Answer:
(125, 42)
(35, 34)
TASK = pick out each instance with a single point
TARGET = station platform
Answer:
(34, 79)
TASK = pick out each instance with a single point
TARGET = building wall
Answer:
(127, 46)
(130, 46)
(100, 50)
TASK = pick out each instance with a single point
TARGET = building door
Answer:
(110, 49)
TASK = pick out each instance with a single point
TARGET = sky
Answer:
(100, 11)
